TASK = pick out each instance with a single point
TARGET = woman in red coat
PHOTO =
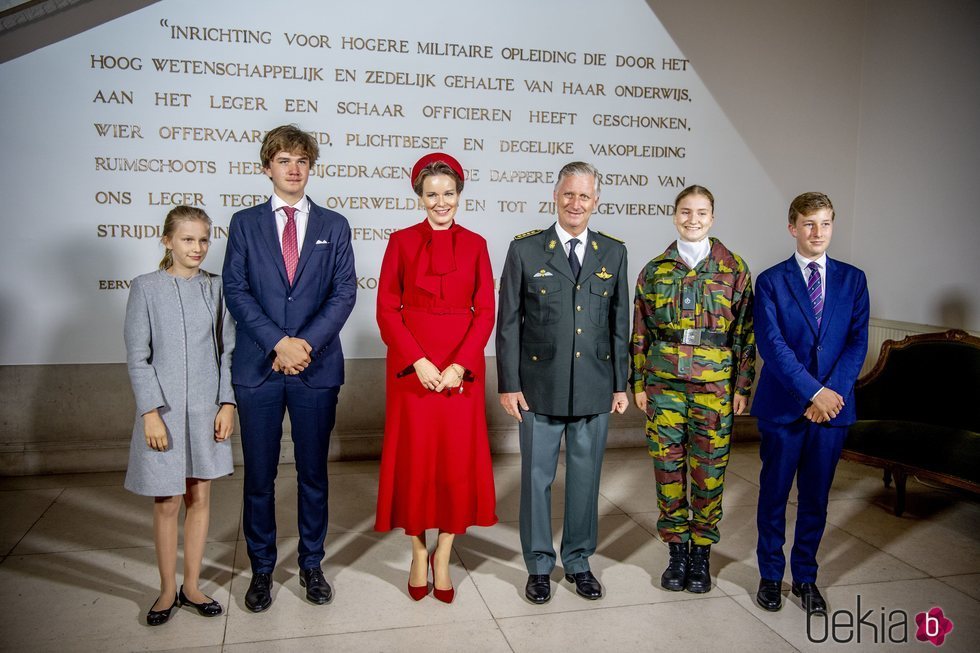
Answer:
(435, 311)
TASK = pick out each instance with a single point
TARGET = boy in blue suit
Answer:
(811, 326)
(289, 283)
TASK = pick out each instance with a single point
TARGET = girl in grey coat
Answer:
(179, 340)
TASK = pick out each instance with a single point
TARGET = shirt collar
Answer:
(803, 261)
(693, 253)
(303, 206)
(564, 236)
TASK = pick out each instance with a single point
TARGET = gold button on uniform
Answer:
(605, 292)
(543, 291)
(534, 358)
(578, 308)
(578, 331)
(578, 354)
(578, 286)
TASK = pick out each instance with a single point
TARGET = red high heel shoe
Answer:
(418, 592)
(446, 596)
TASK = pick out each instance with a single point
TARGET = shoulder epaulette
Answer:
(612, 237)
(527, 233)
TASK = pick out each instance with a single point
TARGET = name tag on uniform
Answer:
(542, 273)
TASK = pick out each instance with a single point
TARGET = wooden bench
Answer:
(918, 412)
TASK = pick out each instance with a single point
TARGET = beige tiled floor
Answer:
(77, 572)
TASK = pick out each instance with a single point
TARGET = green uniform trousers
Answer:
(689, 426)
(585, 443)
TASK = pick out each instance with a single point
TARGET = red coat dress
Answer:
(435, 300)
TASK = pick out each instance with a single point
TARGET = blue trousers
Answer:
(312, 413)
(585, 444)
(810, 453)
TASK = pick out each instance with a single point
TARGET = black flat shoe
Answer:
(770, 595)
(318, 590)
(538, 588)
(810, 597)
(210, 609)
(259, 594)
(160, 617)
(586, 585)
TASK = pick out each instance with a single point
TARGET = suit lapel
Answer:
(559, 260)
(831, 294)
(794, 279)
(270, 236)
(594, 257)
(314, 226)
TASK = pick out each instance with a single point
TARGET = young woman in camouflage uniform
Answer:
(693, 352)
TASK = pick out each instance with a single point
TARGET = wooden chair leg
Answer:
(887, 477)
(900, 478)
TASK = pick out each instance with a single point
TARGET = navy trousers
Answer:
(312, 413)
(810, 453)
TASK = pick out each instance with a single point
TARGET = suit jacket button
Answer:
(819, 347)
(289, 299)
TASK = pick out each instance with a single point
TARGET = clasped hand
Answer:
(432, 379)
(292, 356)
(824, 407)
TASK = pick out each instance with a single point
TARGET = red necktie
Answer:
(290, 252)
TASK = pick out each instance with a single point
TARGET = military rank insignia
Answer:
(542, 273)
(595, 246)
(527, 233)
(552, 244)
(602, 274)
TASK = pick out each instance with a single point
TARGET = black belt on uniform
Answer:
(696, 337)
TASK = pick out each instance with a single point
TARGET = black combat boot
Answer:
(698, 575)
(675, 575)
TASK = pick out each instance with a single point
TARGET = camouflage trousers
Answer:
(689, 426)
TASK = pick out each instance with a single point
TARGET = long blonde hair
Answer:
(177, 215)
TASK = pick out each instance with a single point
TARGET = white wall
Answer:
(918, 162)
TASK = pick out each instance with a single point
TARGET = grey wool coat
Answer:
(179, 339)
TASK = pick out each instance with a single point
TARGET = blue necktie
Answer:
(814, 289)
(572, 258)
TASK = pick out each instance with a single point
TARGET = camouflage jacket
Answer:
(717, 297)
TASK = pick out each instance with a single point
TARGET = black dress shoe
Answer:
(538, 588)
(675, 576)
(318, 590)
(160, 617)
(769, 596)
(698, 579)
(810, 597)
(210, 609)
(259, 594)
(586, 585)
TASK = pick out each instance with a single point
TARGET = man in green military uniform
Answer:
(693, 352)
(563, 367)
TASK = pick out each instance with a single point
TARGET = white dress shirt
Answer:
(693, 253)
(302, 216)
(564, 237)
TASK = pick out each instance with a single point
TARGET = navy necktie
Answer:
(815, 291)
(573, 258)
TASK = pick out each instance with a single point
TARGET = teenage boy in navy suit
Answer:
(289, 283)
(811, 328)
